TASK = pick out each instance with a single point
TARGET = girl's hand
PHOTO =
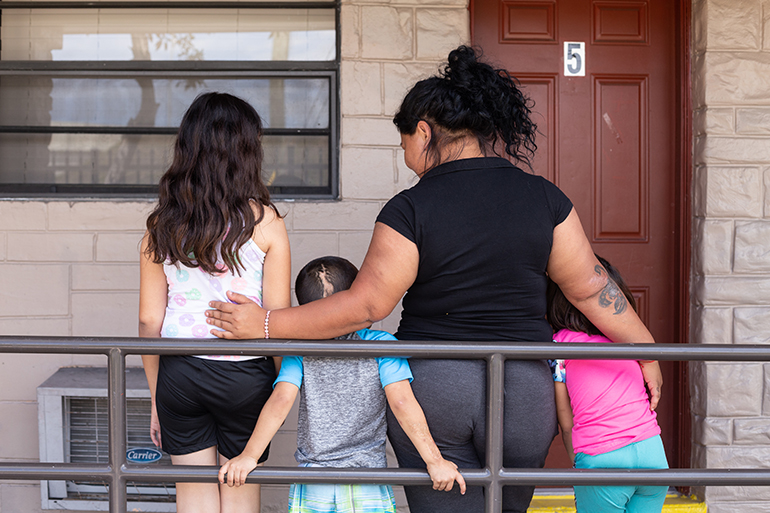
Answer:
(237, 470)
(241, 319)
(155, 426)
(444, 474)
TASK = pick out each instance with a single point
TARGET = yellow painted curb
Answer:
(675, 503)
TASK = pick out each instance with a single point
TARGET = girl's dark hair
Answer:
(563, 315)
(470, 97)
(323, 277)
(205, 197)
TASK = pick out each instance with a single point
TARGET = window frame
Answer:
(169, 69)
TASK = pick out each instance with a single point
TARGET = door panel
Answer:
(620, 159)
(607, 139)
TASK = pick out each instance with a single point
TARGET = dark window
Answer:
(91, 97)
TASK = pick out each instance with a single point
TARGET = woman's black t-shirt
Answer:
(484, 230)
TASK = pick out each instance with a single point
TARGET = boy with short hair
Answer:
(342, 413)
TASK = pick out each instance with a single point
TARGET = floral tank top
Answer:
(191, 289)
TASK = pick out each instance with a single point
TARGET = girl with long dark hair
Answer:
(214, 229)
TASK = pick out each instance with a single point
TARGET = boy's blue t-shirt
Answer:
(392, 369)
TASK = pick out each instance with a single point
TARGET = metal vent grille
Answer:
(86, 441)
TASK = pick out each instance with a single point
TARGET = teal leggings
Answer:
(626, 499)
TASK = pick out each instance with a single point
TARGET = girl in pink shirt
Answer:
(603, 410)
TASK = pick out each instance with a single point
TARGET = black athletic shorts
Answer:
(202, 403)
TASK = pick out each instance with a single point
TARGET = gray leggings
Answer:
(453, 395)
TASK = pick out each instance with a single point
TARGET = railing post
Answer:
(495, 385)
(117, 417)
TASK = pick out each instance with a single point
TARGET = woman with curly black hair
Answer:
(472, 245)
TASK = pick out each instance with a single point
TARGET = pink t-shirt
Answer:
(609, 400)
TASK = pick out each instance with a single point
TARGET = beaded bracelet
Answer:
(267, 319)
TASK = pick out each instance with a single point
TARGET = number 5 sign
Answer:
(574, 59)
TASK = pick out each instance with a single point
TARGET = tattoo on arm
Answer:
(611, 295)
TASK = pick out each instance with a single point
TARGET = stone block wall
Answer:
(69, 268)
(731, 238)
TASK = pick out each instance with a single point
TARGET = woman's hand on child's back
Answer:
(444, 473)
(241, 319)
(235, 471)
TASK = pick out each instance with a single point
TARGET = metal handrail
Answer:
(493, 477)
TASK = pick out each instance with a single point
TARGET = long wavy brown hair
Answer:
(204, 201)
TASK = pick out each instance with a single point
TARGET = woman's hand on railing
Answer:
(241, 319)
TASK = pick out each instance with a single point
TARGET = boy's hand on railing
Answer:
(444, 473)
(235, 471)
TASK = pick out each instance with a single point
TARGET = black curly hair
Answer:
(470, 97)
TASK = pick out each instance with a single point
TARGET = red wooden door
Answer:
(607, 139)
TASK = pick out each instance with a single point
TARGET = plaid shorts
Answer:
(329, 498)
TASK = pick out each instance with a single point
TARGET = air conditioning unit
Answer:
(73, 427)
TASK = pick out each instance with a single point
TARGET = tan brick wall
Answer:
(70, 267)
(731, 267)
